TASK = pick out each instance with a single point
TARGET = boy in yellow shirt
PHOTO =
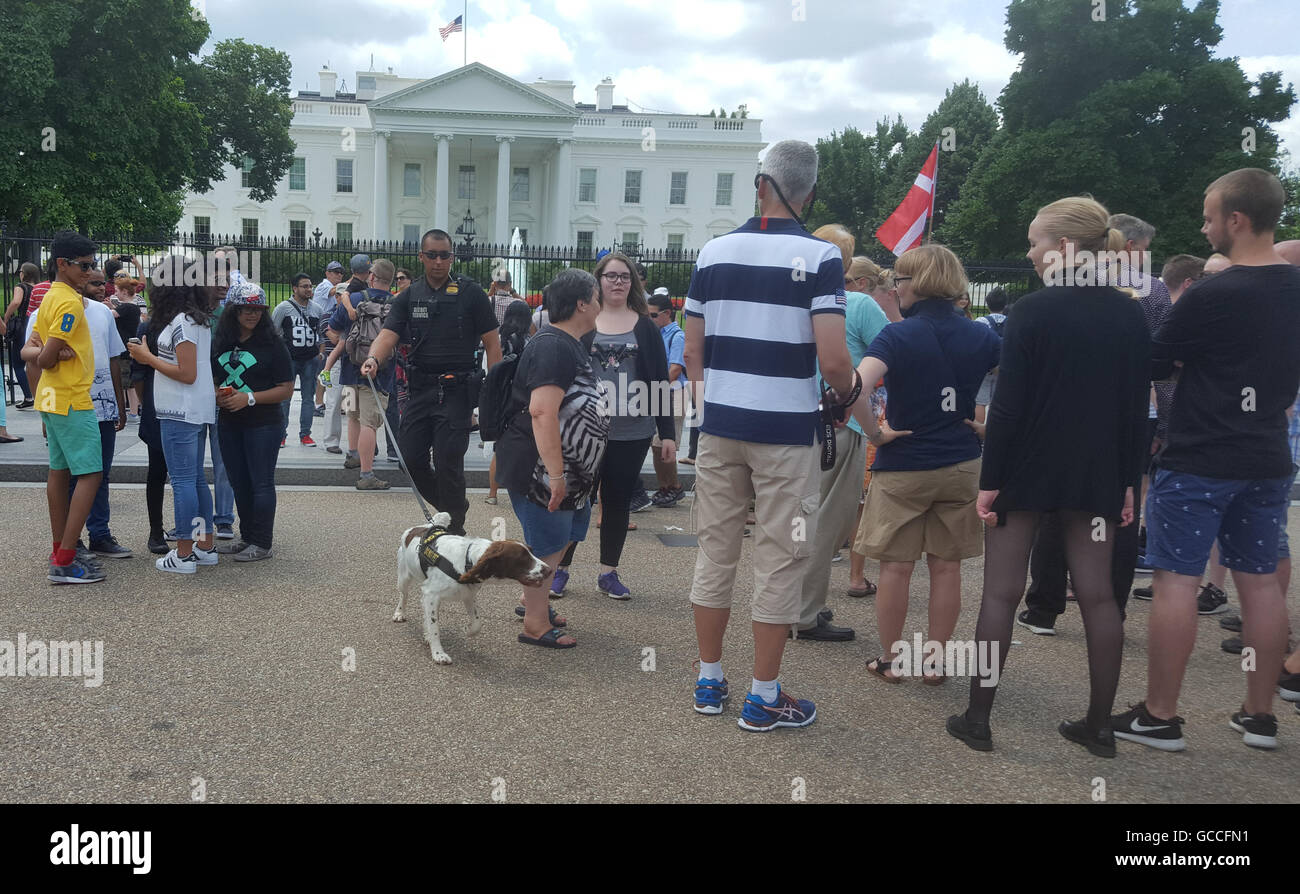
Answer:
(67, 363)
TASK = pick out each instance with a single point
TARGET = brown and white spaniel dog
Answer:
(452, 567)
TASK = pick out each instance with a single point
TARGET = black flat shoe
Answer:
(975, 734)
(157, 545)
(1100, 743)
(826, 633)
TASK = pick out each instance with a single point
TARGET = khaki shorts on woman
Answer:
(933, 511)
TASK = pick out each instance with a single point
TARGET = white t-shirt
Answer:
(195, 403)
(107, 345)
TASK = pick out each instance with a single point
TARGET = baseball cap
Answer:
(334, 267)
(246, 293)
(662, 290)
(360, 263)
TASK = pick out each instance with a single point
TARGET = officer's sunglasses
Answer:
(438, 255)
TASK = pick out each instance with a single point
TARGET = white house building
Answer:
(401, 155)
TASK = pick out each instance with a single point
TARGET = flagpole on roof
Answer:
(934, 191)
(465, 33)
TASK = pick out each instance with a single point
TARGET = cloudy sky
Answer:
(849, 62)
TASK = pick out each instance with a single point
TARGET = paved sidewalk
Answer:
(236, 677)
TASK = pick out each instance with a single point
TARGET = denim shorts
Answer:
(548, 533)
(1186, 513)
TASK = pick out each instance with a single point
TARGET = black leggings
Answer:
(1006, 561)
(153, 490)
(618, 482)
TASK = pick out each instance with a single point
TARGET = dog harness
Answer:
(431, 558)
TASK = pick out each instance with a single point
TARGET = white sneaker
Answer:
(176, 565)
(205, 556)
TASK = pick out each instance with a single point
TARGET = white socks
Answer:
(765, 689)
(711, 670)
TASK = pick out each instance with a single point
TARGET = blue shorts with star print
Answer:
(1185, 513)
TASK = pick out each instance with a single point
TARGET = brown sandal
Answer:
(868, 590)
(934, 680)
(879, 670)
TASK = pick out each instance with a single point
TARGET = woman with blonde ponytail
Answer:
(1065, 435)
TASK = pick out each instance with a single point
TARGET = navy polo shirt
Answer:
(937, 360)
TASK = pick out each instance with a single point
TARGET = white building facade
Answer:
(402, 155)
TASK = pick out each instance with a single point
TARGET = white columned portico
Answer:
(381, 184)
(501, 215)
(440, 199)
(562, 193)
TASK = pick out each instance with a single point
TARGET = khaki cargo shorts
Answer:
(932, 512)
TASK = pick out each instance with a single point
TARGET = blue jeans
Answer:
(225, 495)
(97, 522)
(250, 455)
(305, 372)
(183, 444)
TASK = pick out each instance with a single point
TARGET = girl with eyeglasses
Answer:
(629, 354)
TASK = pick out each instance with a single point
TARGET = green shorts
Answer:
(74, 442)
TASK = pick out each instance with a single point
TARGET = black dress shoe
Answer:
(158, 545)
(1232, 645)
(1231, 622)
(1100, 743)
(975, 734)
(827, 633)
(825, 615)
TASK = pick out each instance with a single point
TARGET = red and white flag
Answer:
(906, 226)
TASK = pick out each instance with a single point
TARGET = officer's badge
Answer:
(453, 288)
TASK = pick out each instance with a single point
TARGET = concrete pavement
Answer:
(234, 681)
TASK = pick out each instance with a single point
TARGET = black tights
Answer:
(618, 482)
(1006, 561)
(153, 490)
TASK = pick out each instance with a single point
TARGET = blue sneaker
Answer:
(609, 584)
(559, 581)
(709, 695)
(760, 717)
(78, 572)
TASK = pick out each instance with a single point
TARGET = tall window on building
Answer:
(587, 185)
(632, 188)
(410, 233)
(676, 241)
(411, 186)
(298, 174)
(245, 172)
(203, 229)
(585, 241)
(631, 240)
(722, 195)
(298, 232)
(519, 185)
(248, 229)
(343, 175)
(468, 182)
(677, 189)
(343, 233)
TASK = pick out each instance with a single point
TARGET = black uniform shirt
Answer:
(443, 326)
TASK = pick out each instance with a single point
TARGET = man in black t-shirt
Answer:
(443, 318)
(296, 322)
(1226, 470)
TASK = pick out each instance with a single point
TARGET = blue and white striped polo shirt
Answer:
(757, 289)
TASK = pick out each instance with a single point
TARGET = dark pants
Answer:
(19, 367)
(438, 423)
(250, 455)
(97, 522)
(305, 372)
(393, 415)
(620, 478)
(155, 485)
(1046, 594)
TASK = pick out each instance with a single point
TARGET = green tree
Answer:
(110, 116)
(852, 170)
(963, 125)
(1133, 110)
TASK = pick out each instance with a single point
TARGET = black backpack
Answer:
(495, 398)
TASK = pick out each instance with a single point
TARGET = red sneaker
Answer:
(307, 441)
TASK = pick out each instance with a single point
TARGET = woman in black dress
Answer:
(1064, 434)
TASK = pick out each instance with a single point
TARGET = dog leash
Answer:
(428, 516)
